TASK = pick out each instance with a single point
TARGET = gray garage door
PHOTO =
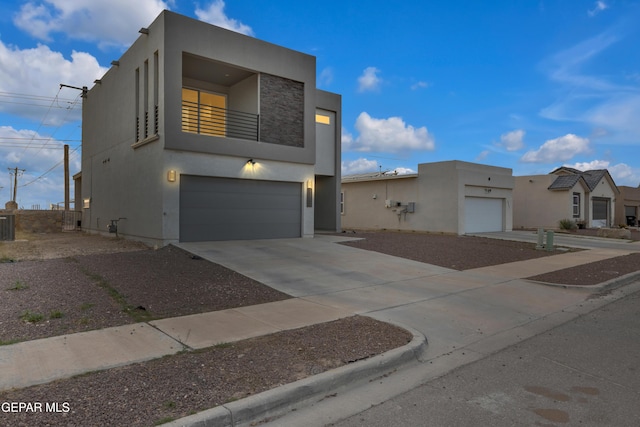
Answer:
(482, 214)
(238, 209)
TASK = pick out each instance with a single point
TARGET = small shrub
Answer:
(18, 286)
(56, 314)
(30, 317)
(568, 224)
(7, 259)
(86, 306)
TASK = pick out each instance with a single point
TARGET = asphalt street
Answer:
(584, 372)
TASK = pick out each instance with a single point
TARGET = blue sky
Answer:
(526, 85)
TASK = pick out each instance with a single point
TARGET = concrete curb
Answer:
(281, 400)
(609, 285)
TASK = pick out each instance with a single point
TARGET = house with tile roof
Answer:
(586, 197)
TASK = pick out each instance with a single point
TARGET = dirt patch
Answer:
(65, 283)
(58, 296)
(445, 250)
(39, 246)
(177, 386)
(593, 273)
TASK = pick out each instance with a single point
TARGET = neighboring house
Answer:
(585, 197)
(447, 197)
(628, 206)
(200, 133)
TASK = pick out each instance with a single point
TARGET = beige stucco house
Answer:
(587, 197)
(628, 206)
(201, 133)
(448, 197)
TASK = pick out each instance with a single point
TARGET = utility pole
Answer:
(66, 177)
(15, 172)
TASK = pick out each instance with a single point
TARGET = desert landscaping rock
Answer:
(78, 282)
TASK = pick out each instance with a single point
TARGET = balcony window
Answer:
(204, 112)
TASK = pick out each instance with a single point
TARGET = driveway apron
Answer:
(453, 309)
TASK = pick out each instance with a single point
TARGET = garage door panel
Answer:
(483, 214)
(236, 209)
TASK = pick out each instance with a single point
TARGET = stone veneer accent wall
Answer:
(281, 111)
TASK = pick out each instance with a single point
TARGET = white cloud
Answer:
(404, 171)
(215, 14)
(598, 7)
(419, 85)
(360, 165)
(326, 77)
(594, 164)
(41, 158)
(559, 149)
(387, 135)
(512, 141)
(369, 80)
(364, 165)
(597, 100)
(40, 71)
(114, 22)
(621, 173)
(482, 156)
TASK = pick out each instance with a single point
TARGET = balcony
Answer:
(210, 120)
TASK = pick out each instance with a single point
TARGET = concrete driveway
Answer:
(483, 309)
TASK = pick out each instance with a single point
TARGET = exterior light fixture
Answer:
(309, 194)
(98, 81)
(251, 162)
(143, 30)
(116, 63)
(171, 176)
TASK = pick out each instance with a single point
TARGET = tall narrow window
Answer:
(137, 104)
(342, 203)
(576, 205)
(156, 87)
(146, 99)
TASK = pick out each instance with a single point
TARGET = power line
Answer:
(48, 170)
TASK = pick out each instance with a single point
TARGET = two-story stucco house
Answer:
(586, 197)
(199, 133)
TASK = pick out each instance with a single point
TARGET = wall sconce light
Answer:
(98, 81)
(143, 30)
(251, 162)
(115, 63)
(309, 194)
(171, 176)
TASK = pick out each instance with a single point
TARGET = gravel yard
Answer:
(64, 283)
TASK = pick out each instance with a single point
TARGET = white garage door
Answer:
(238, 209)
(482, 215)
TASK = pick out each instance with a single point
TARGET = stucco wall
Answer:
(604, 189)
(364, 204)
(439, 192)
(629, 196)
(535, 206)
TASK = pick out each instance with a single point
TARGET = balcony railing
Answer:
(215, 121)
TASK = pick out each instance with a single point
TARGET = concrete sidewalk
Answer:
(476, 309)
